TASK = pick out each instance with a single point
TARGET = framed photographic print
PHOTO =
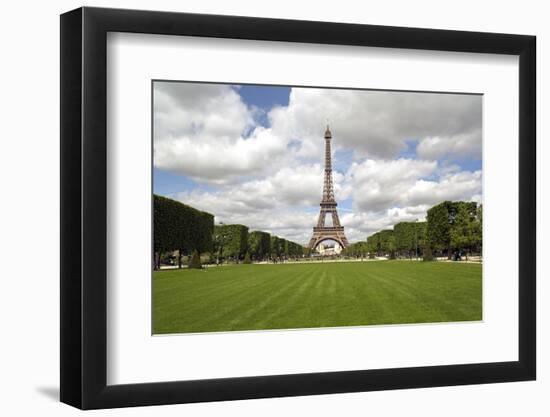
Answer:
(257, 207)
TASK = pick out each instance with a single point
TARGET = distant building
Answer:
(327, 249)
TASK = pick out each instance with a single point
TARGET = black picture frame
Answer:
(84, 207)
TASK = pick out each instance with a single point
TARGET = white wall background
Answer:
(29, 213)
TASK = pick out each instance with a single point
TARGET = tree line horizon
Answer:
(450, 227)
(182, 228)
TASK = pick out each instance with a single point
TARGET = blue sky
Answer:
(264, 97)
(254, 154)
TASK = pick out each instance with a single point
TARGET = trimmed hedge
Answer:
(381, 242)
(177, 226)
(372, 243)
(259, 244)
(454, 225)
(449, 226)
(282, 247)
(409, 236)
(230, 240)
(287, 248)
(357, 249)
(275, 246)
(294, 249)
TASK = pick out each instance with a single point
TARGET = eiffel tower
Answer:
(328, 207)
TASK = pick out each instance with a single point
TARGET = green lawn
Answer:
(247, 297)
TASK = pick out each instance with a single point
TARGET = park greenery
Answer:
(181, 228)
(315, 294)
(230, 240)
(259, 244)
(181, 231)
(452, 229)
(455, 226)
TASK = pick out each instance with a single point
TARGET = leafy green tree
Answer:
(286, 248)
(480, 215)
(362, 249)
(294, 249)
(427, 254)
(402, 235)
(247, 259)
(202, 242)
(391, 246)
(440, 220)
(282, 247)
(466, 230)
(443, 231)
(373, 243)
(178, 227)
(382, 242)
(297, 249)
(164, 235)
(479, 229)
(230, 240)
(386, 242)
(409, 237)
(420, 236)
(356, 250)
(359, 249)
(275, 246)
(259, 244)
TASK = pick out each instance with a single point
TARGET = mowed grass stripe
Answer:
(251, 297)
(252, 303)
(428, 297)
(454, 295)
(194, 309)
(208, 281)
(285, 305)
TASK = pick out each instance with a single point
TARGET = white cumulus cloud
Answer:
(200, 131)
(270, 177)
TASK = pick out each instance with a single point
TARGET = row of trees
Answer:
(451, 227)
(409, 238)
(186, 230)
(382, 242)
(405, 240)
(234, 241)
(357, 250)
(455, 226)
(181, 228)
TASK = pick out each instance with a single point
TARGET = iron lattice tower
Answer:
(328, 206)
